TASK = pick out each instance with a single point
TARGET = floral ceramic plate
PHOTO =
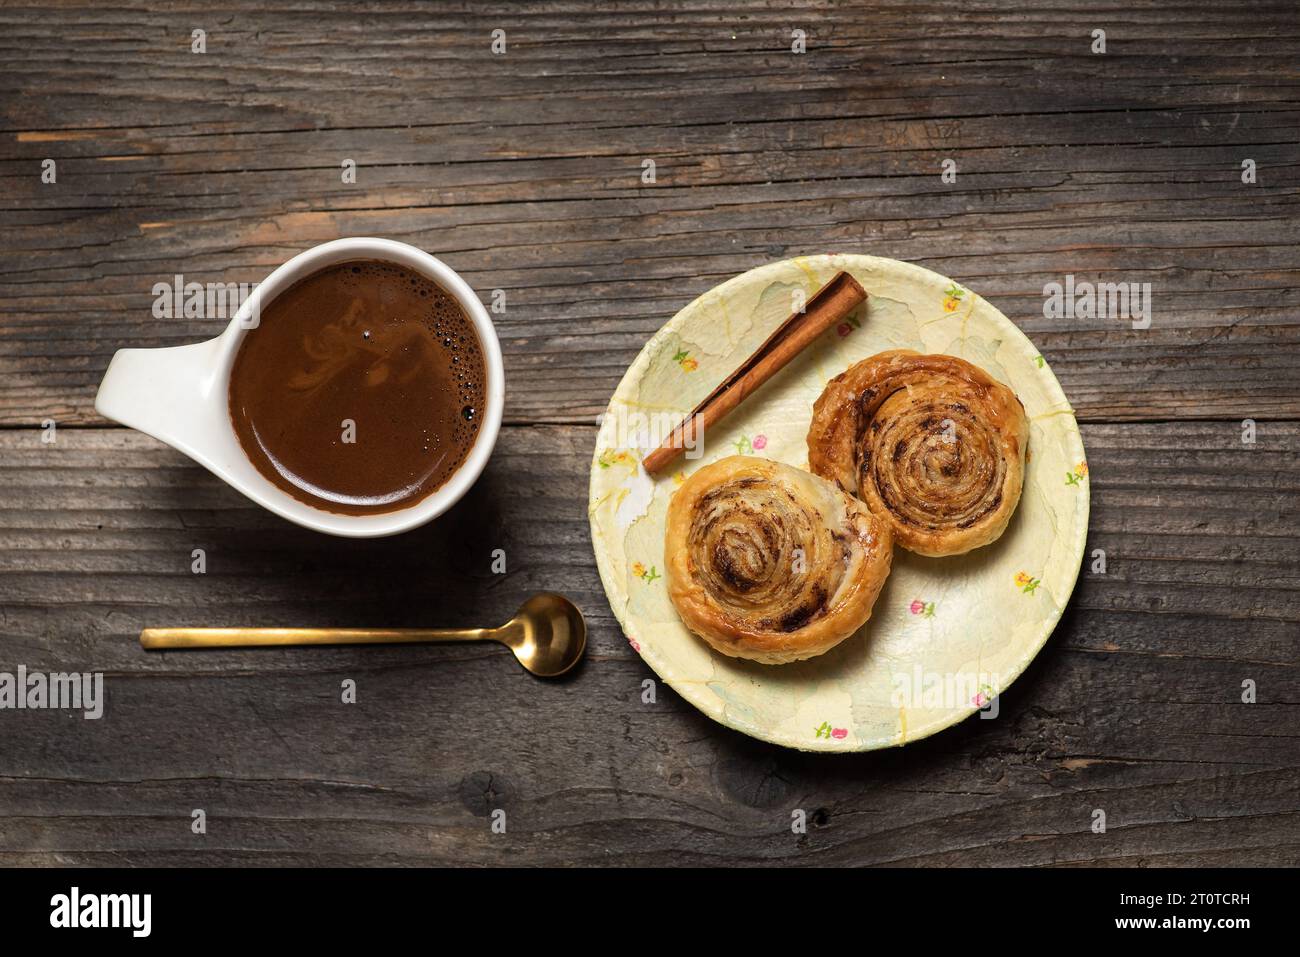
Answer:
(947, 635)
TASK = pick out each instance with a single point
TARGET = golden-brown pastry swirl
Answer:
(769, 562)
(930, 442)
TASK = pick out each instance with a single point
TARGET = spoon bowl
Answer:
(548, 634)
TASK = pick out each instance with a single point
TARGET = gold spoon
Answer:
(547, 635)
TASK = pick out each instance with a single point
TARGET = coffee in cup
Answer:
(361, 389)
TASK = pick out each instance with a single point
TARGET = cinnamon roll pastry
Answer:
(929, 442)
(771, 563)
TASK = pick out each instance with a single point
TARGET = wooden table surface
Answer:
(524, 172)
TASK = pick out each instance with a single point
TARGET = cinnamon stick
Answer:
(829, 305)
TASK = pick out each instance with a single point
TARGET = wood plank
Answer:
(1134, 706)
(524, 172)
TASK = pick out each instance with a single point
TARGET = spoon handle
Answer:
(159, 638)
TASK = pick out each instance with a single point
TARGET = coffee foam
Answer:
(450, 327)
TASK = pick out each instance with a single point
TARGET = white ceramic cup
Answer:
(181, 395)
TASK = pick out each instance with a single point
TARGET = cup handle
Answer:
(165, 393)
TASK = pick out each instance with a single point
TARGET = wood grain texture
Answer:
(523, 171)
(1134, 707)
